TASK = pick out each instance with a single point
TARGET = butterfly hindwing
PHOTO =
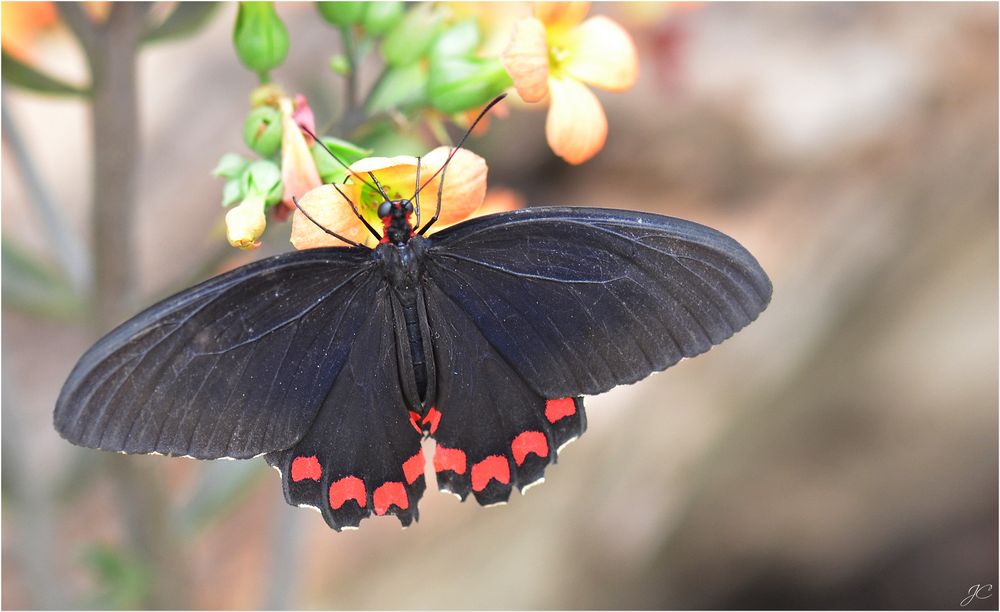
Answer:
(236, 366)
(362, 454)
(578, 300)
(493, 431)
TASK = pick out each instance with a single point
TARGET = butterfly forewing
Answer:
(234, 367)
(579, 300)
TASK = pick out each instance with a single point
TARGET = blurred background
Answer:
(839, 452)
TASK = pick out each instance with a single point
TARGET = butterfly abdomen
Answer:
(419, 361)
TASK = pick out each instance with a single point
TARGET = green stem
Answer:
(350, 52)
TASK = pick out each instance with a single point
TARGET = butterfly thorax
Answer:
(401, 265)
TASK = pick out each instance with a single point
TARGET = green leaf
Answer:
(329, 170)
(389, 141)
(22, 75)
(400, 87)
(381, 16)
(230, 166)
(459, 84)
(35, 287)
(460, 40)
(232, 192)
(186, 19)
(411, 38)
(123, 582)
(260, 38)
(341, 14)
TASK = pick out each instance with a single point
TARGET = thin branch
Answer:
(64, 242)
(83, 28)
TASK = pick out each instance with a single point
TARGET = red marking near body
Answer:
(492, 467)
(390, 493)
(556, 409)
(306, 468)
(432, 419)
(415, 421)
(348, 487)
(449, 459)
(529, 442)
(413, 467)
(386, 220)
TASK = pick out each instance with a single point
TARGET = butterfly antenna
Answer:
(379, 186)
(335, 157)
(416, 196)
(356, 212)
(447, 161)
(354, 208)
(320, 226)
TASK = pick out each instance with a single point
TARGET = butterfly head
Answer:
(395, 217)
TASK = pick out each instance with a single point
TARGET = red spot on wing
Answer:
(306, 468)
(432, 420)
(449, 459)
(389, 494)
(348, 487)
(556, 409)
(415, 421)
(529, 442)
(413, 468)
(490, 468)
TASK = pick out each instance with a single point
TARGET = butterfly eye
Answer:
(408, 206)
(384, 209)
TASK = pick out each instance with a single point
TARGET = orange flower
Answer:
(464, 190)
(556, 54)
(21, 24)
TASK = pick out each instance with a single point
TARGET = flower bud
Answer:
(380, 16)
(262, 130)
(266, 94)
(340, 65)
(341, 14)
(245, 223)
(260, 38)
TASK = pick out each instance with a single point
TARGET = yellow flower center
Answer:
(558, 56)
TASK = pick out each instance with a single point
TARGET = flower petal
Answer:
(526, 59)
(500, 200)
(298, 169)
(602, 54)
(576, 127)
(464, 185)
(561, 15)
(330, 210)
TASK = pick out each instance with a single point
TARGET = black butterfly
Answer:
(335, 362)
